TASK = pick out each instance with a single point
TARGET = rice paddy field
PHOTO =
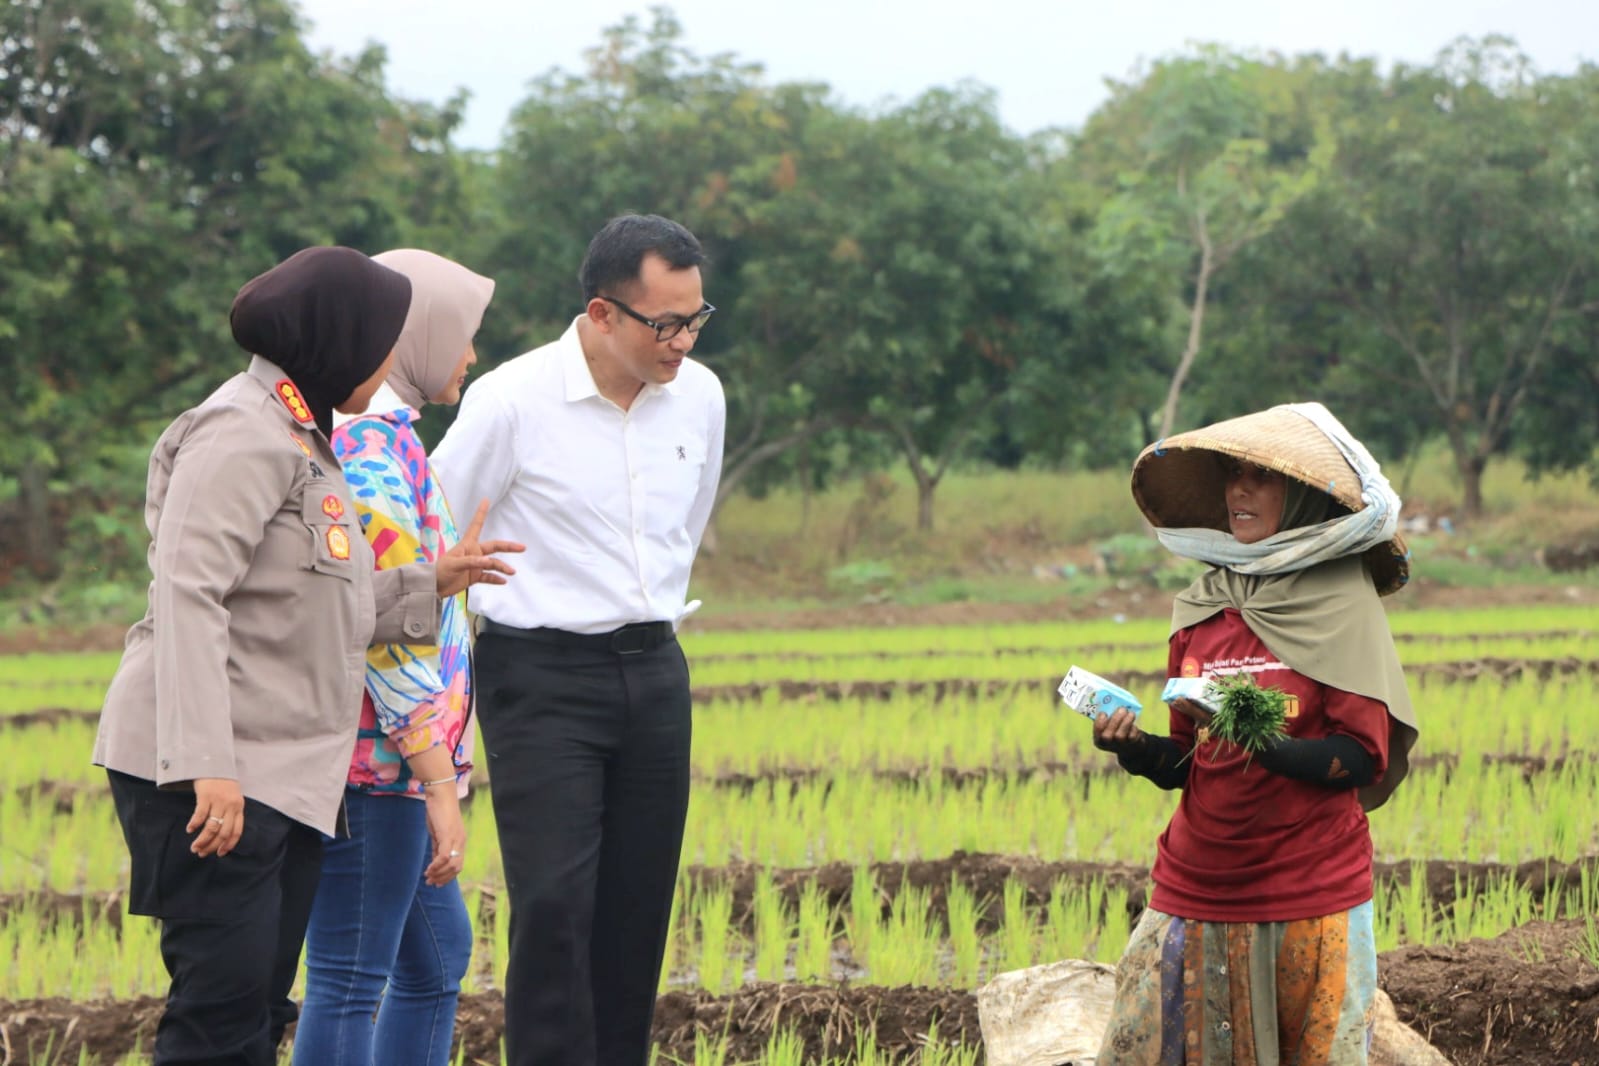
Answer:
(884, 818)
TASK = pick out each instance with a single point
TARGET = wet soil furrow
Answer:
(1529, 998)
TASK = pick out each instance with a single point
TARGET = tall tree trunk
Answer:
(39, 538)
(1469, 464)
(1471, 487)
(1196, 326)
(926, 485)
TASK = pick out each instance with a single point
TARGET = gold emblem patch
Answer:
(333, 507)
(301, 444)
(290, 395)
(338, 542)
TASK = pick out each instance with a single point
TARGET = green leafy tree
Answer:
(153, 155)
(1460, 233)
(1197, 178)
(901, 263)
(651, 127)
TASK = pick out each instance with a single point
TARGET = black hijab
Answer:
(328, 317)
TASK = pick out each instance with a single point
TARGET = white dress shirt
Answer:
(610, 503)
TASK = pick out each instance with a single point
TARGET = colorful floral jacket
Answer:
(417, 695)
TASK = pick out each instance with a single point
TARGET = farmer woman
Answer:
(389, 926)
(1256, 947)
(227, 729)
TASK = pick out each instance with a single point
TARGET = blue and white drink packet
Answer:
(1199, 689)
(1092, 696)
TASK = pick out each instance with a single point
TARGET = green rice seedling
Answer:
(773, 930)
(1412, 904)
(1587, 946)
(58, 752)
(905, 949)
(953, 1055)
(965, 911)
(866, 1052)
(713, 915)
(470, 981)
(71, 696)
(1070, 920)
(1017, 947)
(1460, 912)
(139, 970)
(501, 957)
(1588, 891)
(669, 960)
(78, 956)
(1116, 930)
(813, 948)
(865, 910)
(936, 1051)
(41, 668)
(784, 1048)
(1249, 715)
(708, 1050)
(1554, 897)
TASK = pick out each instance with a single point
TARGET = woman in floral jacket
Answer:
(390, 938)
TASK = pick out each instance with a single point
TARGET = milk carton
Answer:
(1199, 689)
(1092, 696)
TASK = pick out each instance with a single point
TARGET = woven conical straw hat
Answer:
(1178, 483)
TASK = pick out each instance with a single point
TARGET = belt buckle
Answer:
(630, 640)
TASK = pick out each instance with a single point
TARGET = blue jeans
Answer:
(379, 934)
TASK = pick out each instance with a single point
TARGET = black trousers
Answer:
(588, 757)
(231, 927)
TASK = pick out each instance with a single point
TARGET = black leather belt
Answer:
(634, 639)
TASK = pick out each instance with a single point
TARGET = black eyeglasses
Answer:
(665, 331)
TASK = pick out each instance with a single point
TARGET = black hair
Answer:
(615, 256)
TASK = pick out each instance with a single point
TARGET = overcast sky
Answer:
(1047, 60)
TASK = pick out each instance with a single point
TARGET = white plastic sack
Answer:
(1051, 1015)
(1055, 1015)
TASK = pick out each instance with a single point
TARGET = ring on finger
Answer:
(455, 854)
(214, 818)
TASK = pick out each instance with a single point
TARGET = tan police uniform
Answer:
(250, 661)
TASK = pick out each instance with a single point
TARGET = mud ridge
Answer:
(828, 1019)
(1527, 998)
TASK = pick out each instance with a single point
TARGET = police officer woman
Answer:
(227, 729)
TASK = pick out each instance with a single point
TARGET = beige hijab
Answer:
(1327, 623)
(447, 305)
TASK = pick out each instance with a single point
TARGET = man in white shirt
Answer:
(601, 452)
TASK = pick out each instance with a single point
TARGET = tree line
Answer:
(916, 284)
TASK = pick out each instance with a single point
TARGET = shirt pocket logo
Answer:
(330, 540)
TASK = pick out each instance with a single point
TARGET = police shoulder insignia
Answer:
(332, 506)
(290, 395)
(338, 542)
